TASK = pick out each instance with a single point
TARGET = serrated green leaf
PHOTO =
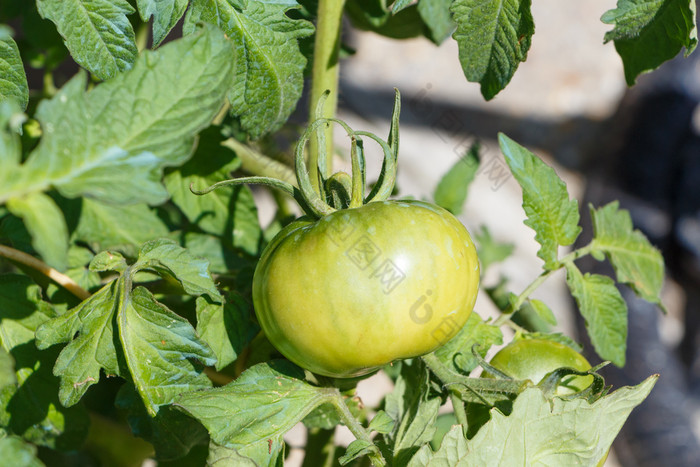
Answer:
(649, 32)
(47, 226)
(31, 408)
(112, 143)
(172, 433)
(270, 66)
(166, 14)
(128, 333)
(457, 352)
(493, 38)
(17, 453)
(539, 432)
(604, 310)
(80, 361)
(97, 33)
(266, 401)
(541, 310)
(414, 410)
(550, 213)
(108, 261)
(118, 228)
(637, 263)
(13, 80)
(451, 191)
(158, 346)
(437, 17)
(382, 423)
(168, 258)
(489, 250)
(227, 328)
(355, 450)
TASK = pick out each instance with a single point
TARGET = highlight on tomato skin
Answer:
(359, 288)
(533, 359)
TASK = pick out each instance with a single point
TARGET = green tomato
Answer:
(360, 288)
(533, 358)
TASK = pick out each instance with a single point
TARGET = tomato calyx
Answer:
(338, 190)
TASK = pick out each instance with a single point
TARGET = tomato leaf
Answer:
(451, 191)
(47, 226)
(167, 258)
(17, 453)
(413, 410)
(604, 310)
(14, 81)
(270, 65)
(550, 213)
(583, 431)
(227, 328)
(97, 33)
(30, 407)
(637, 263)
(649, 32)
(111, 143)
(128, 333)
(382, 423)
(493, 38)
(457, 352)
(165, 13)
(159, 346)
(266, 401)
(437, 17)
(355, 450)
(117, 228)
(489, 250)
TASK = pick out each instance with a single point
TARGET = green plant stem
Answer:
(258, 164)
(61, 279)
(324, 77)
(460, 413)
(356, 428)
(142, 36)
(525, 294)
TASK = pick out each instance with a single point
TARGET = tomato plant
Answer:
(146, 313)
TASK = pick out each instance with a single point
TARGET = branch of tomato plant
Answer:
(38, 265)
(480, 390)
(356, 428)
(324, 77)
(258, 164)
(525, 294)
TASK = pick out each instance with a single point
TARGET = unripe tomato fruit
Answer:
(359, 288)
(533, 358)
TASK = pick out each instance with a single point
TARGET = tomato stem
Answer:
(324, 79)
(525, 294)
(356, 428)
(38, 265)
(460, 413)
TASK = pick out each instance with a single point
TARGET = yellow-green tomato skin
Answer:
(362, 287)
(533, 358)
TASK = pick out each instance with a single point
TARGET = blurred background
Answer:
(569, 104)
